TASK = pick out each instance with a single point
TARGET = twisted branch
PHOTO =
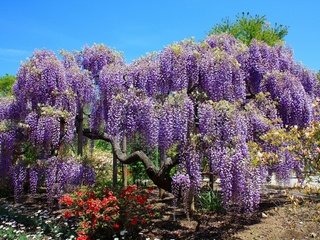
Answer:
(160, 177)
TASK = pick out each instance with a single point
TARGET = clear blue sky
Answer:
(137, 27)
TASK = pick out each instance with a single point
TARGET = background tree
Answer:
(6, 83)
(247, 27)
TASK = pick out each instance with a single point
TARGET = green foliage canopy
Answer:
(6, 83)
(246, 28)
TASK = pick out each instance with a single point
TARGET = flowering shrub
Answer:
(106, 213)
(134, 209)
(301, 144)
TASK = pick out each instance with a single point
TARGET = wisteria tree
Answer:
(202, 107)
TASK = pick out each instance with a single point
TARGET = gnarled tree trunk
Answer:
(159, 176)
(124, 166)
(80, 131)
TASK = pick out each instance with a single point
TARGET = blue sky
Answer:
(137, 27)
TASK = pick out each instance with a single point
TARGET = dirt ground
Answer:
(282, 215)
(287, 222)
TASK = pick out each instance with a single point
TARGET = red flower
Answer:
(130, 189)
(143, 221)
(80, 203)
(134, 221)
(94, 205)
(67, 214)
(78, 213)
(116, 227)
(93, 220)
(84, 225)
(83, 237)
(113, 199)
(151, 214)
(141, 200)
(105, 201)
(79, 194)
(81, 233)
(96, 210)
(66, 199)
(110, 193)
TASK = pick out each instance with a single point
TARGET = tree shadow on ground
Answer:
(209, 225)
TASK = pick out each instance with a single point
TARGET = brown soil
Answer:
(281, 216)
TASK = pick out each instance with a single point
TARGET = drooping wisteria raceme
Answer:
(100, 62)
(261, 116)
(224, 129)
(111, 83)
(221, 76)
(19, 173)
(176, 118)
(228, 44)
(144, 74)
(41, 117)
(294, 103)
(8, 140)
(63, 173)
(195, 103)
(33, 179)
(42, 80)
(44, 130)
(94, 58)
(181, 186)
(173, 69)
(80, 80)
(9, 137)
(307, 78)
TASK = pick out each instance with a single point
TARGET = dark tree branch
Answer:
(249, 93)
(80, 131)
(192, 88)
(160, 177)
(250, 96)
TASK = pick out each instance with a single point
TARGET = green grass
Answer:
(210, 200)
